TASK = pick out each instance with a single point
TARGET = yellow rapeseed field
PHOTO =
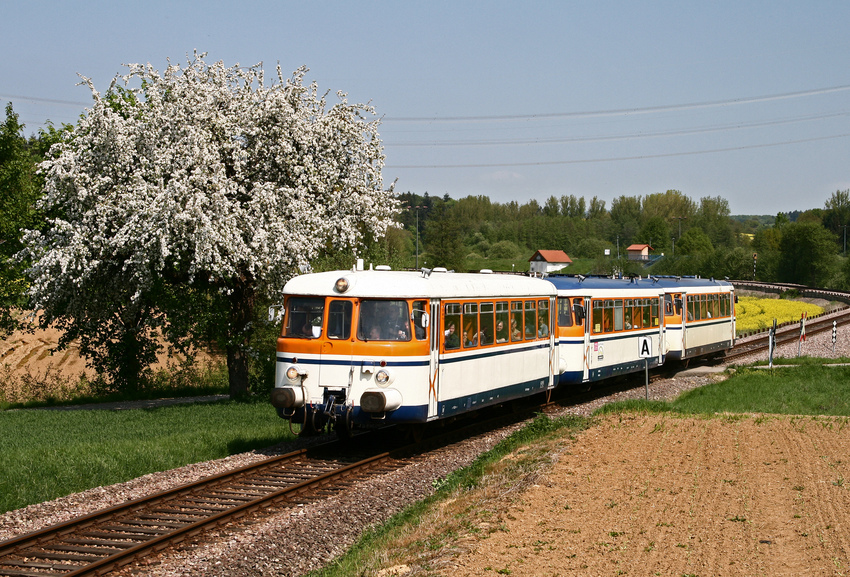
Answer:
(754, 314)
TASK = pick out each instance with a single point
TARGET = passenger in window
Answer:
(452, 339)
(501, 332)
(471, 339)
(374, 333)
(543, 330)
(515, 334)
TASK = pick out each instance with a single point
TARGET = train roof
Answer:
(651, 284)
(407, 284)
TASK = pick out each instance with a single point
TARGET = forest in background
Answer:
(687, 236)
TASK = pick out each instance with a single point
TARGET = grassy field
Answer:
(425, 528)
(46, 454)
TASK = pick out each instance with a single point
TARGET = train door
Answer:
(587, 344)
(553, 350)
(434, 362)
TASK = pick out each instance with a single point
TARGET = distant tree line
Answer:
(694, 237)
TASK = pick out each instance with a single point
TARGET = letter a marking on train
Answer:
(645, 347)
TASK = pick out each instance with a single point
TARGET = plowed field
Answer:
(661, 495)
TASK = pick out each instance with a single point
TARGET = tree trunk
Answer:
(241, 315)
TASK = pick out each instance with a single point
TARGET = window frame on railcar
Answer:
(479, 320)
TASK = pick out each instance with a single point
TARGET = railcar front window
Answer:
(304, 317)
(383, 320)
(339, 319)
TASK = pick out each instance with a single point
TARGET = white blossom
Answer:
(206, 170)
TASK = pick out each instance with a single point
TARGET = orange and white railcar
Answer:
(380, 346)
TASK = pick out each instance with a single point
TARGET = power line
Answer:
(620, 111)
(683, 132)
(47, 100)
(615, 158)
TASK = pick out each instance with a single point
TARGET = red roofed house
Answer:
(546, 261)
(639, 251)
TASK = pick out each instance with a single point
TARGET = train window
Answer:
(647, 313)
(628, 304)
(715, 303)
(530, 320)
(451, 322)
(503, 321)
(693, 309)
(516, 320)
(565, 313)
(383, 320)
(655, 304)
(542, 319)
(608, 316)
(487, 324)
(339, 319)
(668, 304)
(420, 309)
(702, 308)
(598, 307)
(618, 315)
(470, 325)
(304, 317)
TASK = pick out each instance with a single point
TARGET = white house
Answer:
(547, 261)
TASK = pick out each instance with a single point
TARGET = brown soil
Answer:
(660, 495)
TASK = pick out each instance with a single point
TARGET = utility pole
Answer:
(680, 219)
(417, 233)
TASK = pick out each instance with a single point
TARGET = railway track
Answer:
(108, 539)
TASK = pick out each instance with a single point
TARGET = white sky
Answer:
(749, 101)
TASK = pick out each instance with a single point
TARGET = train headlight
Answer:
(341, 285)
(382, 377)
(295, 372)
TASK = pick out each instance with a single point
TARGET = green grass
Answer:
(46, 454)
(807, 389)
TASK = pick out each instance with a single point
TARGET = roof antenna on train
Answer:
(426, 272)
(678, 278)
(581, 278)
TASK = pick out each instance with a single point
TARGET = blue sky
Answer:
(748, 100)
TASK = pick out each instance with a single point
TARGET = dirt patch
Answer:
(662, 495)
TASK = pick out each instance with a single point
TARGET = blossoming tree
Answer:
(201, 180)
